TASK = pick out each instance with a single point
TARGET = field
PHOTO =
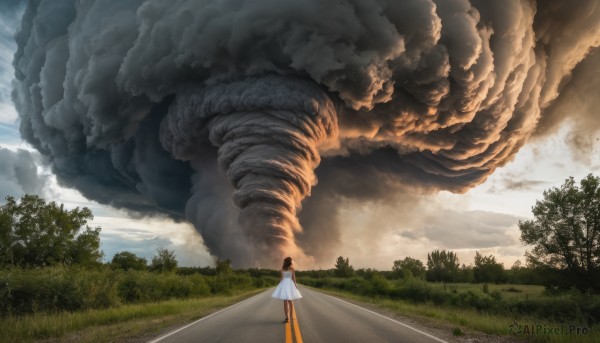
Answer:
(508, 291)
(487, 308)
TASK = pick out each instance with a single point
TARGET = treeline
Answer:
(441, 266)
(50, 261)
(165, 261)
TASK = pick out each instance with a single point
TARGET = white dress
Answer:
(286, 290)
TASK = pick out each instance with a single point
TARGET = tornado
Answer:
(255, 119)
(267, 130)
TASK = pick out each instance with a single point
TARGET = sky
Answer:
(373, 231)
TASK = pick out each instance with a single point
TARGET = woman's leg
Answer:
(285, 308)
(291, 308)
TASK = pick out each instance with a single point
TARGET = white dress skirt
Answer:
(286, 290)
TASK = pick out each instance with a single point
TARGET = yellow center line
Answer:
(288, 332)
(296, 326)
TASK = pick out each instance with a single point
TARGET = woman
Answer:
(287, 290)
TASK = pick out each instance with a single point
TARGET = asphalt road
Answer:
(319, 318)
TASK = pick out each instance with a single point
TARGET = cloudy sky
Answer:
(373, 231)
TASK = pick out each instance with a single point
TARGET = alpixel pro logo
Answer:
(542, 329)
(515, 328)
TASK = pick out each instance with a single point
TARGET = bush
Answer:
(567, 308)
(316, 274)
(312, 282)
(379, 285)
(226, 283)
(357, 285)
(55, 289)
(265, 281)
(137, 287)
(413, 290)
(24, 291)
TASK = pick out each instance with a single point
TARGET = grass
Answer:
(468, 319)
(113, 324)
(508, 291)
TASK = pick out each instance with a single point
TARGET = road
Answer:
(319, 318)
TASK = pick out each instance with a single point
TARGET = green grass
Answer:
(113, 324)
(469, 320)
(508, 291)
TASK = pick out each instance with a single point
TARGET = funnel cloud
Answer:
(236, 115)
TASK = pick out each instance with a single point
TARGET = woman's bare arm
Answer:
(294, 277)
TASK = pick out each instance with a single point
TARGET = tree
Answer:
(409, 267)
(517, 265)
(35, 233)
(343, 267)
(565, 234)
(164, 261)
(223, 266)
(127, 260)
(442, 266)
(465, 274)
(487, 269)
(523, 275)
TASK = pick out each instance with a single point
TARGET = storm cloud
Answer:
(228, 113)
(10, 11)
(19, 174)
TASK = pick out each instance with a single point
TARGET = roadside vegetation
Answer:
(461, 321)
(489, 308)
(114, 324)
(557, 287)
(106, 304)
(53, 284)
(55, 289)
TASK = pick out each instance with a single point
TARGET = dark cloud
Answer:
(10, 11)
(414, 235)
(578, 102)
(219, 111)
(19, 174)
(570, 38)
(12, 7)
(512, 183)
